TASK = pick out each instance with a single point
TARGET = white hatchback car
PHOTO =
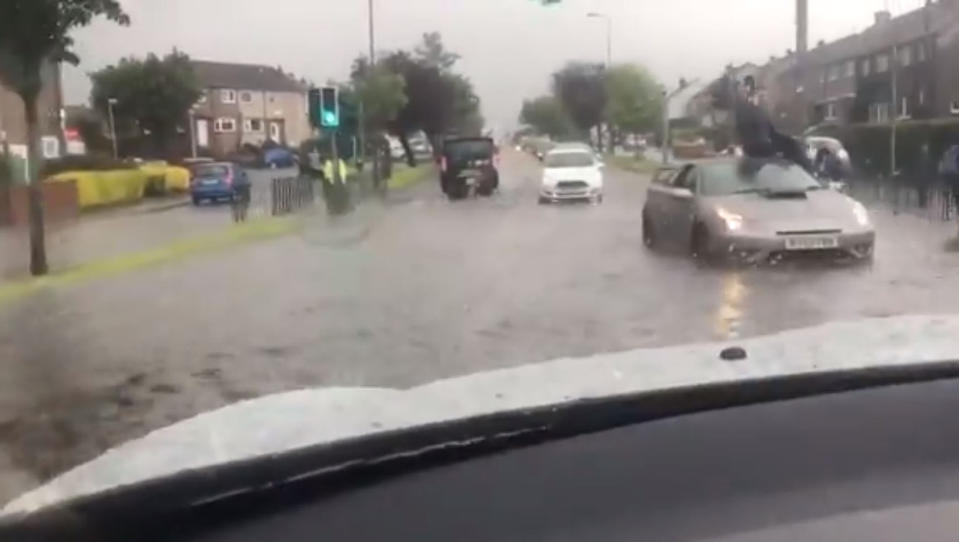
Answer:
(571, 173)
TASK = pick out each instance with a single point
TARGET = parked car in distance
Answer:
(753, 210)
(279, 157)
(216, 181)
(571, 172)
(818, 149)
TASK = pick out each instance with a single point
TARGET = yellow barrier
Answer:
(176, 179)
(97, 188)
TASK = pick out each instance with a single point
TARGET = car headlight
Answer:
(843, 155)
(733, 221)
(859, 211)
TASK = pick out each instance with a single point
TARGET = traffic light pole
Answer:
(335, 160)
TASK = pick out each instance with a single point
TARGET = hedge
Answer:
(99, 188)
(176, 179)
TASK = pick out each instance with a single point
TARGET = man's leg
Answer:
(791, 149)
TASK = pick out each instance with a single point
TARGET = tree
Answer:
(581, 89)
(32, 33)
(382, 92)
(152, 95)
(546, 115)
(634, 99)
(432, 52)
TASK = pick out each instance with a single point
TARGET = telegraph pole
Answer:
(802, 46)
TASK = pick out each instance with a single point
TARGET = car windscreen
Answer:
(569, 159)
(468, 149)
(211, 171)
(747, 176)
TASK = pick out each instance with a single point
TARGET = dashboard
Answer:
(873, 464)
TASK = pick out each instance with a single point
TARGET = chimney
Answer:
(882, 17)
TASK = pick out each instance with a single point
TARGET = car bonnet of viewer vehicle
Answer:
(327, 416)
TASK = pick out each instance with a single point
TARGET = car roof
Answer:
(570, 150)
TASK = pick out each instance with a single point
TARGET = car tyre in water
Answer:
(699, 244)
(543, 201)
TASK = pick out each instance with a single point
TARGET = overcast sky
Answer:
(508, 47)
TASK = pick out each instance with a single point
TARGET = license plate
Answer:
(471, 181)
(209, 182)
(811, 243)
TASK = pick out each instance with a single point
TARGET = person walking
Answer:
(949, 171)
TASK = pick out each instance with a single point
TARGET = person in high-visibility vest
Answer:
(328, 170)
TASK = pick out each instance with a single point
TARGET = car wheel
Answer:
(649, 235)
(543, 201)
(196, 201)
(699, 244)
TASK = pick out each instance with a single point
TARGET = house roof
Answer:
(244, 76)
(904, 28)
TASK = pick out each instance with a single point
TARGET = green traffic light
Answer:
(330, 119)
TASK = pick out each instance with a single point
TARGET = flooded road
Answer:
(401, 293)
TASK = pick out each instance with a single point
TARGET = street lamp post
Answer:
(609, 34)
(113, 126)
(192, 117)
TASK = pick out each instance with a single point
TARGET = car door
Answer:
(676, 202)
(683, 211)
(656, 195)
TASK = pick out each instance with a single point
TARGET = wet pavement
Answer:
(404, 292)
(108, 233)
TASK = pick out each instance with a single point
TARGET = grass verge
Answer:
(404, 176)
(254, 230)
(636, 165)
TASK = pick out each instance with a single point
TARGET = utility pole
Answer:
(113, 125)
(802, 46)
(894, 114)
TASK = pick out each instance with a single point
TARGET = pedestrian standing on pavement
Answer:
(925, 175)
(949, 171)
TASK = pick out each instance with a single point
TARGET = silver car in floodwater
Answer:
(754, 210)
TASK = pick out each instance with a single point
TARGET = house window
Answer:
(253, 125)
(905, 55)
(882, 63)
(954, 107)
(834, 72)
(864, 67)
(228, 96)
(922, 96)
(246, 97)
(224, 125)
(903, 108)
(831, 111)
(879, 112)
(850, 68)
(921, 52)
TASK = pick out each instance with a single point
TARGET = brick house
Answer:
(13, 129)
(248, 103)
(904, 66)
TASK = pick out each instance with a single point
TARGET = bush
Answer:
(99, 188)
(90, 162)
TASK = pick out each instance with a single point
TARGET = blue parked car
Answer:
(216, 181)
(278, 157)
